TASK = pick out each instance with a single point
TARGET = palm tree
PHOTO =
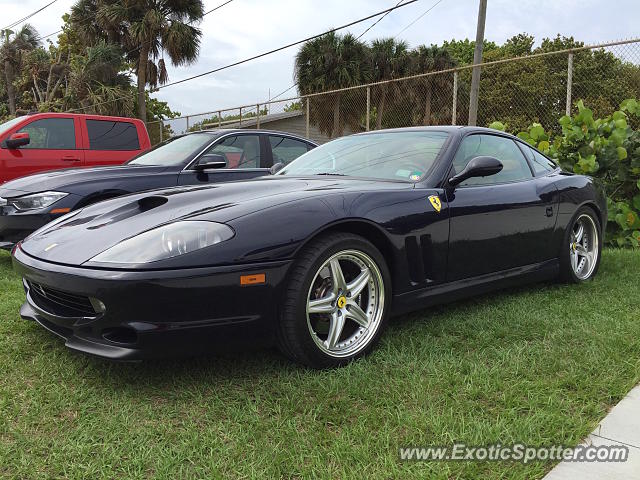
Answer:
(389, 60)
(14, 46)
(331, 62)
(431, 59)
(145, 29)
(96, 83)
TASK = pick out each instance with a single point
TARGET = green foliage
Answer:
(293, 106)
(159, 110)
(607, 149)
(536, 137)
(498, 126)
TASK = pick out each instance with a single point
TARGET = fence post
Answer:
(368, 105)
(219, 118)
(569, 82)
(187, 123)
(161, 129)
(306, 120)
(240, 122)
(454, 107)
(258, 116)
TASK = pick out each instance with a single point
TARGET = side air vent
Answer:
(426, 245)
(414, 259)
(420, 259)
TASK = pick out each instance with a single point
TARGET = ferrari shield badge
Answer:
(435, 202)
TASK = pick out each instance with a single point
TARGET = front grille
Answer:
(57, 302)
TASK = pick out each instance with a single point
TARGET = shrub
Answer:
(607, 149)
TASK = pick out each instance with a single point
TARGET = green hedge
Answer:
(607, 149)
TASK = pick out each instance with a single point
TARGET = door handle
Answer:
(70, 158)
(549, 212)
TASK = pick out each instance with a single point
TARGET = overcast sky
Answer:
(244, 28)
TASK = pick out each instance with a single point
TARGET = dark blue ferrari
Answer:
(318, 256)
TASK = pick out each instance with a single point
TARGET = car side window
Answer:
(514, 168)
(286, 150)
(112, 136)
(239, 151)
(541, 164)
(51, 134)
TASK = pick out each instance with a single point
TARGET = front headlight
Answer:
(165, 242)
(36, 200)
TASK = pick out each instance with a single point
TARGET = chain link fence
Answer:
(515, 91)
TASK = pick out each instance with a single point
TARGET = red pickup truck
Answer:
(50, 141)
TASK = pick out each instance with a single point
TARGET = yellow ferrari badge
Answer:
(435, 202)
(342, 301)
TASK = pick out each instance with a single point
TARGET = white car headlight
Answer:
(165, 242)
(36, 200)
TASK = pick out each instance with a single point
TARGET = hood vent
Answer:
(149, 203)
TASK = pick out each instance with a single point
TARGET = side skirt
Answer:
(469, 287)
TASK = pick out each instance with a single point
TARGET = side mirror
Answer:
(211, 161)
(477, 167)
(17, 140)
(276, 168)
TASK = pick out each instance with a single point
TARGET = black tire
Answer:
(295, 339)
(567, 272)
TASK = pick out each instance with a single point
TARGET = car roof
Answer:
(439, 128)
(225, 131)
(81, 115)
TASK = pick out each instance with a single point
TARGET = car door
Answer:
(53, 144)
(502, 221)
(245, 154)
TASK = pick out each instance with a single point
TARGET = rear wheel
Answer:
(336, 302)
(580, 257)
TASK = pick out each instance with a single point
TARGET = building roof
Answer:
(272, 117)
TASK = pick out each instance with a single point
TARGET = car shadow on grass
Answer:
(237, 359)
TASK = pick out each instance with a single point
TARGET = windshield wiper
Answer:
(331, 174)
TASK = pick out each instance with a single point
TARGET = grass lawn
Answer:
(539, 365)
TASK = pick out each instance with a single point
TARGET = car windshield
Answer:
(392, 155)
(175, 151)
(4, 127)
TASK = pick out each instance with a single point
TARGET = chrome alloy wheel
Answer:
(345, 304)
(583, 247)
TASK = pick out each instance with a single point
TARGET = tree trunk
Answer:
(427, 105)
(336, 131)
(142, 81)
(11, 91)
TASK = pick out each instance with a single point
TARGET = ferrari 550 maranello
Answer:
(319, 255)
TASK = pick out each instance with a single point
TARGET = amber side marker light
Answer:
(256, 279)
(60, 210)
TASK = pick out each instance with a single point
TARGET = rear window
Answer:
(286, 150)
(112, 135)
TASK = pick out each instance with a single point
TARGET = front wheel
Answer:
(580, 256)
(336, 303)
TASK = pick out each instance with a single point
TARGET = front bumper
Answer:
(152, 314)
(16, 225)
(14, 228)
